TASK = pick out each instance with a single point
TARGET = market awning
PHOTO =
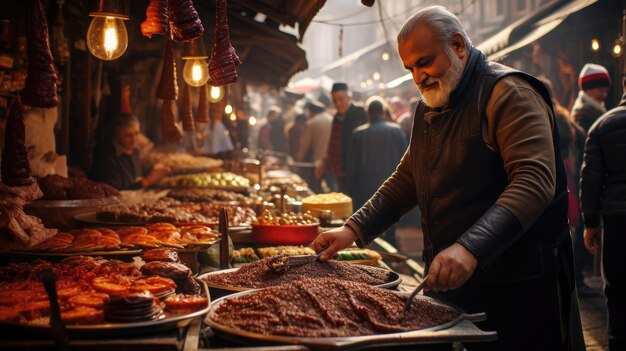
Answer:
(530, 28)
(288, 12)
(353, 56)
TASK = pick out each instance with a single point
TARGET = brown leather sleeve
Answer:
(519, 127)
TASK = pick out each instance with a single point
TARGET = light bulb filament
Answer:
(215, 93)
(196, 72)
(110, 36)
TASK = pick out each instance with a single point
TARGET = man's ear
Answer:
(458, 46)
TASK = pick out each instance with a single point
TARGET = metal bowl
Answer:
(284, 234)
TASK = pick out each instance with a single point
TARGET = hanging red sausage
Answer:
(203, 106)
(41, 82)
(184, 20)
(156, 18)
(187, 113)
(224, 59)
(15, 166)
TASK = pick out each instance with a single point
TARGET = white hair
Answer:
(443, 22)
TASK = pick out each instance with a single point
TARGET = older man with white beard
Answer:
(484, 167)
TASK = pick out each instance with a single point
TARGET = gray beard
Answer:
(440, 96)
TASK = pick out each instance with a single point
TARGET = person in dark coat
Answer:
(347, 118)
(375, 151)
(116, 157)
(603, 200)
(484, 167)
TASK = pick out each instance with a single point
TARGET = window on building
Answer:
(521, 7)
(494, 10)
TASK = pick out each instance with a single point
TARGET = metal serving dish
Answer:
(461, 329)
(264, 234)
(218, 291)
(166, 321)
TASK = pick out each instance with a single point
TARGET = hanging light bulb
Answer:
(196, 69)
(252, 120)
(107, 38)
(233, 117)
(385, 56)
(196, 72)
(617, 48)
(228, 109)
(595, 44)
(376, 76)
(216, 94)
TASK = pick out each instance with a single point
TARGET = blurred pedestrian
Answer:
(347, 118)
(295, 134)
(314, 143)
(603, 200)
(594, 82)
(375, 150)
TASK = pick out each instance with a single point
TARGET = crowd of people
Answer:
(496, 176)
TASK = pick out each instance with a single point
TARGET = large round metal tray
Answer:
(167, 321)
(90, 218)
(440, 333)
(104, 201)
(218, 290)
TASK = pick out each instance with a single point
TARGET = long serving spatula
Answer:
(300, 260)
(407, 304)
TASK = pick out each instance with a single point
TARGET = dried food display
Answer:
(205, 195)
(173, 211)
(156, 18)
(285, 250)
(243, 256)
(177, 160)
(340, 204)
(41, 81)
(56, 187)
(290, 218)
(328, 308)
(104, 239)
(270, 272)
(215, 180)
(224, 59)
(351, 255)
(90, 290)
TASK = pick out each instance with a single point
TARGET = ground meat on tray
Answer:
(258, 275)
(329, 308)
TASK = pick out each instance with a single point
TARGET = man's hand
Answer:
(593, 239)
(451, 268)
(158, 172)
(330, 242)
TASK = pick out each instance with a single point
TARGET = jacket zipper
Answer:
(425, 182)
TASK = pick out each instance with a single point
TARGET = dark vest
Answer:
(460, 177)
